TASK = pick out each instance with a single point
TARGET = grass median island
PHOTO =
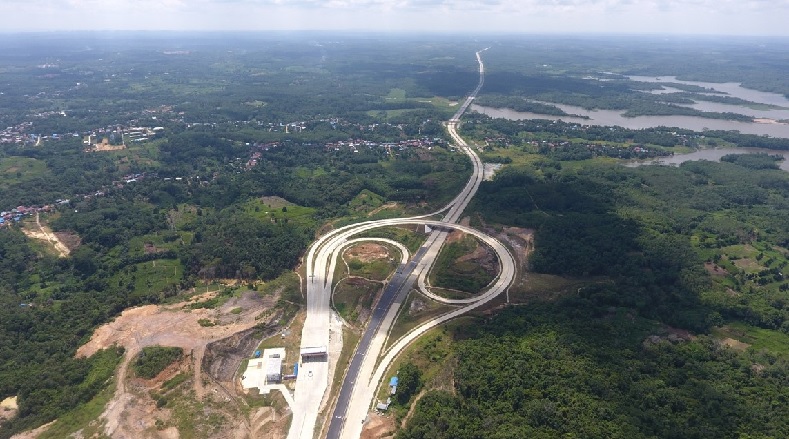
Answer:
(154, 359)
(371, 260)
(374, 270)
(353, 295)
(409, 236)
(464, 265)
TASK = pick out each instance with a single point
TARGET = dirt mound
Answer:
(69, 239)
(368, 252)
(378, 427)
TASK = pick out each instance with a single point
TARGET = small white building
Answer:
(264, 371)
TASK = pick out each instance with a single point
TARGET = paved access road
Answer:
(364, 373)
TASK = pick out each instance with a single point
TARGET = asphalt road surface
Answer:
(363, 375)
(391, 291)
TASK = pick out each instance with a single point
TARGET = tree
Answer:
(410, 381)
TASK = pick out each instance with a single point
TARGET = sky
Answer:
(687, 17)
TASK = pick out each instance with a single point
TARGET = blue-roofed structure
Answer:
(393, 385)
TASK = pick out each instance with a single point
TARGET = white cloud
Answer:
(611, 16)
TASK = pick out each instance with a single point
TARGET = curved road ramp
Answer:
(365, 373)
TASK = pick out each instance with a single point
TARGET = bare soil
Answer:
(482, 256)
(213, 355)
(69, 239)
(275, 202)
(104, 145)
(381, 208)
(33, 434)
(455, 236)
(149, 248)
(735, 344)
(8, 409)
(379, 427)
(44, 233)
(368, 252)
(715, 269)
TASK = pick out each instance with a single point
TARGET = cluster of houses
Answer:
(114, 138)
(16, 214)
(354, 144)
(18, 135)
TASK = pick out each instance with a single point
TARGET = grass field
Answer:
(14, 170)
(290, 213)
(151, 277)
(758, 338)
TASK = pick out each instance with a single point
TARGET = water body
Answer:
(733, 89)
(614, 117)
(713, 155)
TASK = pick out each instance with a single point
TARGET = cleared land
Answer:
(45, 234)
(197, 396)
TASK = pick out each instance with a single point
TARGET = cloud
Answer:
(610, 16)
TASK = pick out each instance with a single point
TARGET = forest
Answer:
(639, 350)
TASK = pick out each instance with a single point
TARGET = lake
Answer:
(614, 117)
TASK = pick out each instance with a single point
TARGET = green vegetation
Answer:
(519, 104)
(453, 271)
(575, 368)
(75, 386)
(18, 169)
(377, 269)
(152, 360)
(696, 247)
(175, 381)
(206, 323)
(82, 418)
(409, 384)
(416, 310)
(411, 239)
(351, 295)
(754, 161)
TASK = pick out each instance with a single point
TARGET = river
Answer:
(614, 117)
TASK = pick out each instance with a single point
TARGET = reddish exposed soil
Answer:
(715, 269)
(378, 427)
(133, 413)
(368, 252)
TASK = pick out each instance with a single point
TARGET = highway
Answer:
(365, 372)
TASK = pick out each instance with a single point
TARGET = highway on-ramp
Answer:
(365, 372)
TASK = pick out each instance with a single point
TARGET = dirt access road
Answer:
(45, 234)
